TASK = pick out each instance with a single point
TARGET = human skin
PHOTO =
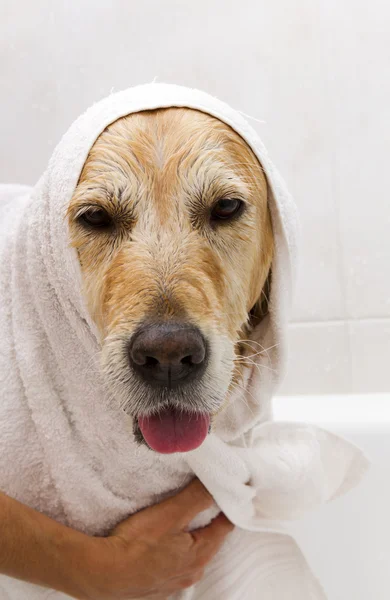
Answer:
(149, 555)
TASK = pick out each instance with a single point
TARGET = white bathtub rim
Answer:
(344, 410)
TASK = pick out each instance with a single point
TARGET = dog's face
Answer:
(172, 228)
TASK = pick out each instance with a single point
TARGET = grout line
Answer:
(340, 321)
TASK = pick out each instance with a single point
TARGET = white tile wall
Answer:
(370, 355)
(319, 359)
(356, 52)
(316, 71)
(360, 56)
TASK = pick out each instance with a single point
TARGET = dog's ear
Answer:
(260, 309)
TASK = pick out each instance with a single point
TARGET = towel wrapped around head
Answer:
(70, 453)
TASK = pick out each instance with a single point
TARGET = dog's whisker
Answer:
(243, 398)
(258, 344)
(263, 349)
(262, 353)
(249, 362)
(259, 352)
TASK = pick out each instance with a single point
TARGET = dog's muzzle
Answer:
(168, 356)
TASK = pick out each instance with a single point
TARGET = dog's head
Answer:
(173, 233)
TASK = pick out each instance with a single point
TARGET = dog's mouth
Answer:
(173, 430)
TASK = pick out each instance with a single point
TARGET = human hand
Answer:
(150, 554)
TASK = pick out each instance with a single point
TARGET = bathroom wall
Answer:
(317, 72)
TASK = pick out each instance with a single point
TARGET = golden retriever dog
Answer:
(173, 233)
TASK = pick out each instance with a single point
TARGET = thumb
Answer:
(174, 513)
(181, 509)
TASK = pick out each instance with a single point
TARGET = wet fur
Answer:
(158, 173)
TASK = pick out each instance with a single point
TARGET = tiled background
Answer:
(316, 71)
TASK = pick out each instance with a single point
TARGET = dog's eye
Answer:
(96, 217)
(226, 209)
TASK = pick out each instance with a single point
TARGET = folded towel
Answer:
(68, 451)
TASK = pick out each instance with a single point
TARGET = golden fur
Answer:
(158, 173)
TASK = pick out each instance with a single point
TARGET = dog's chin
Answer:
(171, 420)
(138, 436)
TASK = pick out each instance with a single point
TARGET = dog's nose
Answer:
(168, 354)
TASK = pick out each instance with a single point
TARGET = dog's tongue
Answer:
(174, 431)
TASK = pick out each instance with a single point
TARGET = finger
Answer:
(191, 579)
(174, 513)
(184, 580)
(208, 540)
(217, 529)
(179, 510)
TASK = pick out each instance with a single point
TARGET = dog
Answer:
(170, 219)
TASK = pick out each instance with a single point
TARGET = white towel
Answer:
(66, 449)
